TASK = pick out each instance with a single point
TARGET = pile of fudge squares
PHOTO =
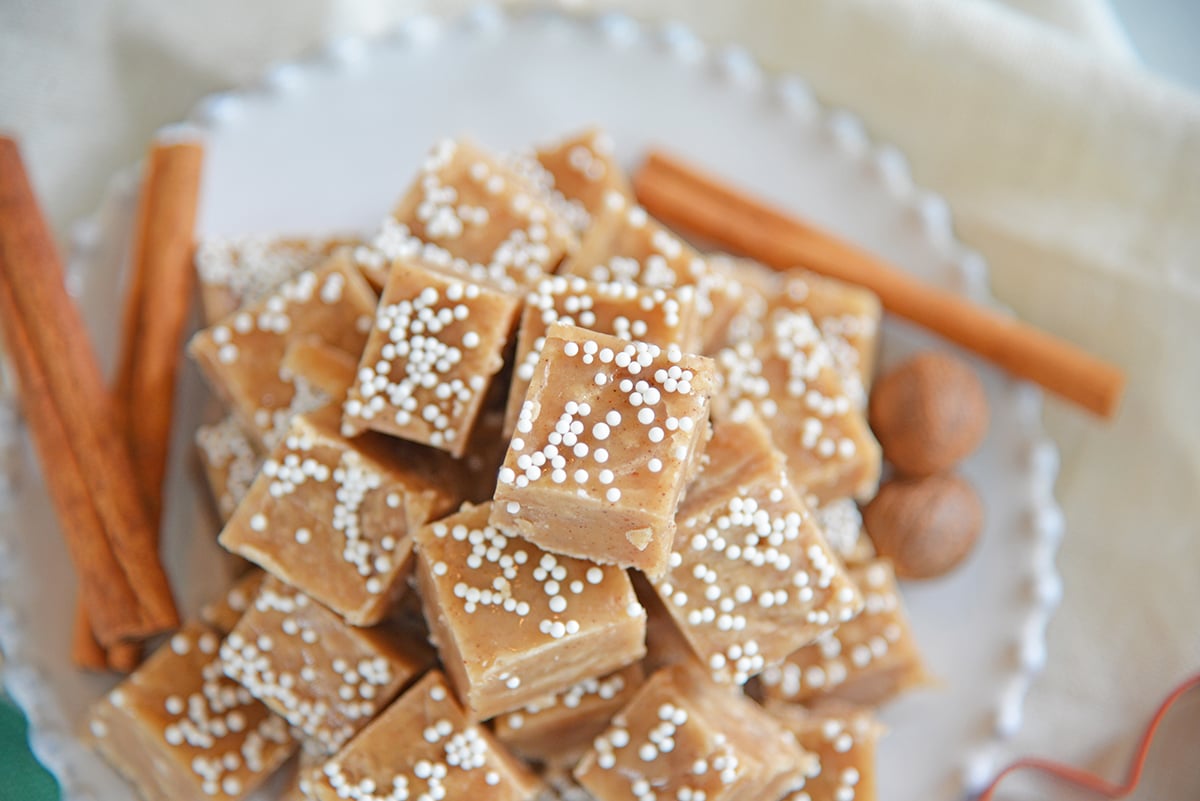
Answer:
(541, 501)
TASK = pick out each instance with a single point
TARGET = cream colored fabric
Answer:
(1072, 170)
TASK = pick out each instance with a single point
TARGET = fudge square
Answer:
(628, 311)
(178, 729)
(843, 739)
(849, 318)
(436, 344)
(751, 579)
(333, 517)
(866, 661)
(513, 623)
(483, 218)
(608, 436)
(241, 355)
(238, 271)
(576, 173)
(560, 727)
(424, 746)
(684, 737)
(325, 677)
(789, 378)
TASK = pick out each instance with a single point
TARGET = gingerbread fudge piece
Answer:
(436, 343)
(235, 272)
(867, 661)
(424, 746)
(576, 174)
(848, 317)
(179, 730)
(559, 728)
(231, 461)
(627, 311)
(514, 623)
(241, 356)
(482, 219)
(751, 578)
(333, 516)
(625, 244)
(790, 380)
(607, 437)
(843, 739)
(325, 677)
(682, 736)
(740, 308)
(223, 613)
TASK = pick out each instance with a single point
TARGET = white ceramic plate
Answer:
(328, 144)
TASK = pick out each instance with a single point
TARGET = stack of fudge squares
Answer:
(540, 502)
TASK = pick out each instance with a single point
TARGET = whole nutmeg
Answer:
(926, 526)
(929, 413)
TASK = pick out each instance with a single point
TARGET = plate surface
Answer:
(329, 144)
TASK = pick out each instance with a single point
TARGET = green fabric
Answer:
(24, 778)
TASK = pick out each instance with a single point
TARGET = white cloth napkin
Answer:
(1074, 171)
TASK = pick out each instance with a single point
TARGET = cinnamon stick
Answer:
(685, 197)
(157, 305)
(85, 459)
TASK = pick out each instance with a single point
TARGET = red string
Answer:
(1088, 781)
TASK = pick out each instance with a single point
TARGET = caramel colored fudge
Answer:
(842, 524)
(751, 578)
(333, 516)
(326, 678)
(849, 318)
(625, 244)
(435, 346)
(576, 173)
(513, 623)
(424, 747)
(179, 730)
(239, 271)
(740, 308)
(481, 219)
(560, 727)
(681, 736)
(607, 437)
(241, 355)
(843, 739)
(224, 613)
(231, 461)
(627, 311)
(865, 661)
(328, 370)
(790, 380)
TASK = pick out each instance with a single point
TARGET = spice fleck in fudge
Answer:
(608, 436)
(333, 516)
(751, 578)
(865, 661)
(179, 729)
(423, 747)
(682, 736)
(435, 346)
(325, 677)
(514, 623)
